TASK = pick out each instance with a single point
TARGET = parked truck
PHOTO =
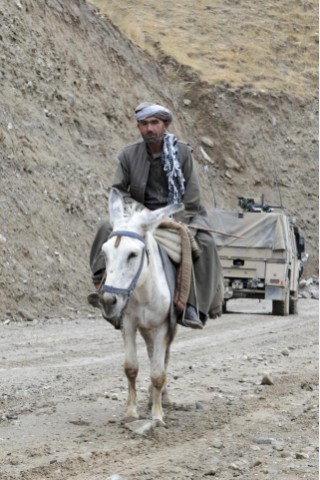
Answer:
(262, 253)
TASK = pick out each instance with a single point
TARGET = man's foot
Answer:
(94, 299)
(191, 318)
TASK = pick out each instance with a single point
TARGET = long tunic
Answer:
(140, 176)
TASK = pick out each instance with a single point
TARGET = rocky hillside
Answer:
(69, 83)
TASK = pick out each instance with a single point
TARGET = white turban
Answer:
(145, 110)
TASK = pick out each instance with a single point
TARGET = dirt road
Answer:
(63, 394)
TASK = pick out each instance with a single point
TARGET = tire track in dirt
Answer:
(60, 421)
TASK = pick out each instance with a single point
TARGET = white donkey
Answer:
(136, 296)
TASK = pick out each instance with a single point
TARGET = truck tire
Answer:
(293, 306)
(224, 306)
(281, 307)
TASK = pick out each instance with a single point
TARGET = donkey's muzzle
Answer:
(108, 301)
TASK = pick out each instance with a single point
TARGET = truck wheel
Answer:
(281, 307)
(293, 306)
(224, 306)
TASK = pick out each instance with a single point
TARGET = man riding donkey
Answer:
(157, 171)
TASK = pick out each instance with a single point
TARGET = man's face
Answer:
(152, 129)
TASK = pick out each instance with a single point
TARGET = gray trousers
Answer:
(207, 292)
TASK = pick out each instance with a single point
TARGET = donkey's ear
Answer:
(170, 210)
(116, 209)
(151, 219)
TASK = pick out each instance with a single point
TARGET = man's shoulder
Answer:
(131, 152)
(185, 146)
(133, 146)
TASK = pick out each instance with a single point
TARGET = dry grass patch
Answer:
(273, 45)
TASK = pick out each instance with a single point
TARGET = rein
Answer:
(127, 291)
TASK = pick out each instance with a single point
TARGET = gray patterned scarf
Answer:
(171, 166)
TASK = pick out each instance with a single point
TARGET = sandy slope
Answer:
(70, 81)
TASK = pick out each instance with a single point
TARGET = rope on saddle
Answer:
(180, 246)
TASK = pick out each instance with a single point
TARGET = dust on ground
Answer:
(63, 394)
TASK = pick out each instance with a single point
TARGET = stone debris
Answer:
(264, 440)
(232, 164)
(210, 473)
(309, 288)
(142, 427)
(267, 380)
(205, 156)
(208, 142)
(301, 456)
(285, 352)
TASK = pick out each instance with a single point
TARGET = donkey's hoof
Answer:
(131, 418)
(157, 422)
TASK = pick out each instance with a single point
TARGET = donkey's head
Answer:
(126, 252)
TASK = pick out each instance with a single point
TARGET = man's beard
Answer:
(153, 138)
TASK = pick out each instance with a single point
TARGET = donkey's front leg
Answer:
(131, 369)
(158, 373)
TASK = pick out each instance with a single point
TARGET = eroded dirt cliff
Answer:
(69, 83)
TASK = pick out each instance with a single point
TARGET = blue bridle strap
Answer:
(125, 233)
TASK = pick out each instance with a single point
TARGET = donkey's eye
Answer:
(131, 256)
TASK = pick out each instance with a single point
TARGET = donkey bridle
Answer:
(127, 292)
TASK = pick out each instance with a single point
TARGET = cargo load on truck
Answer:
(261, 251)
